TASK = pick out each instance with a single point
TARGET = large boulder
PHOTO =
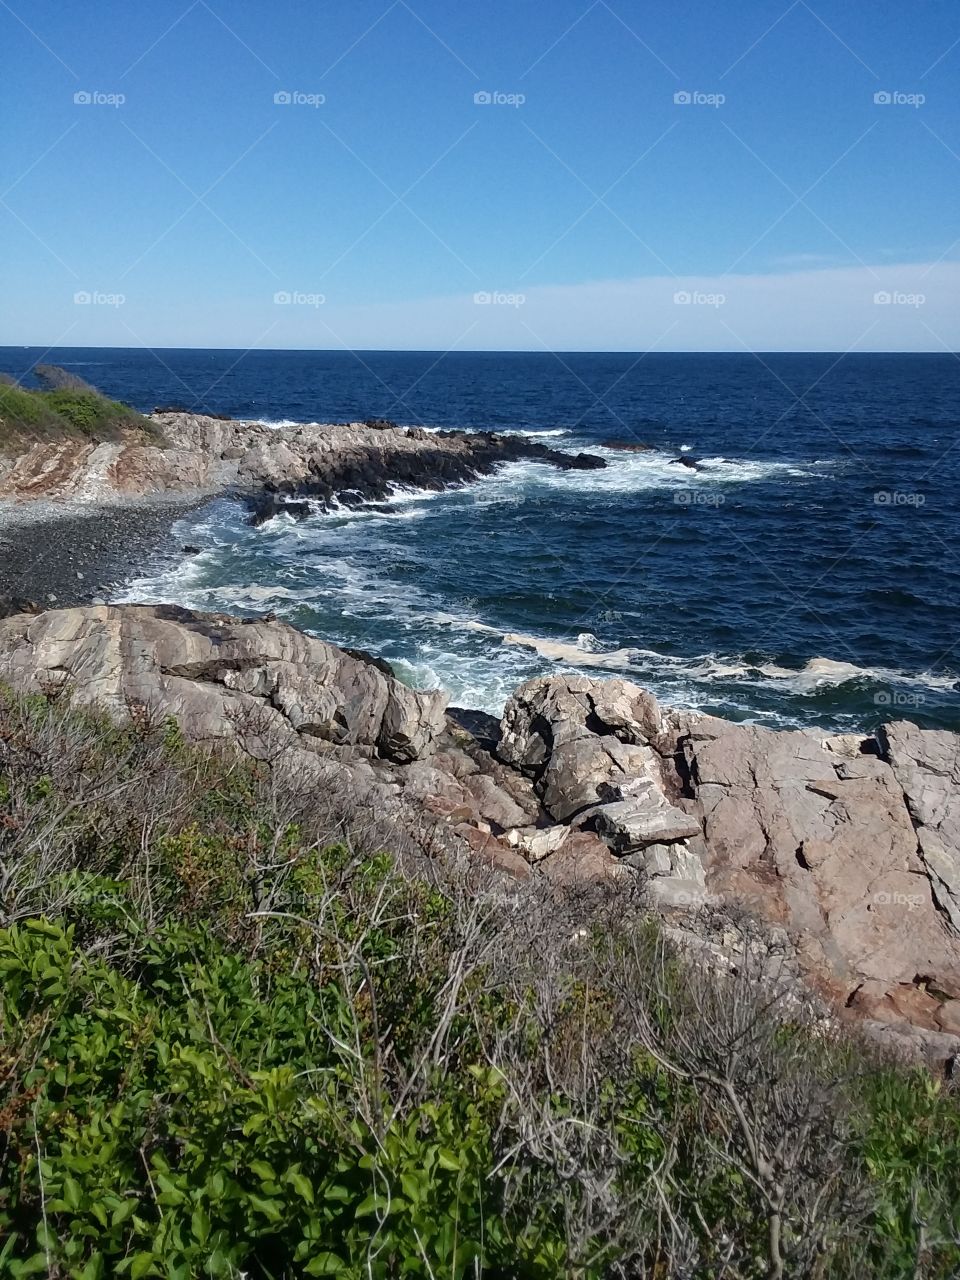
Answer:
(579, 738)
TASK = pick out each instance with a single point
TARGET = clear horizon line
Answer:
(491, 351)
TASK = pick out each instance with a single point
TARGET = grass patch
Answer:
(67, 411)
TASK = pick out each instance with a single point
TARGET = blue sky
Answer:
(149, 168)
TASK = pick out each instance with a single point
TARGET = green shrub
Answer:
(198, 1117)
(69, 409)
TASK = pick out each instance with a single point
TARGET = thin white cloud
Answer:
(905, 307)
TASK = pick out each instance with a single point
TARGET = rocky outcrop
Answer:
(578, 738)
(275, 466)
(263, 683)
(843, 850)
(276, 692)
(848, 847)
(816, 834)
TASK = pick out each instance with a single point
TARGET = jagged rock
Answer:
(851, 845)
(574, 736)
(493, 803)
(493, 852)
(222, 678)
(537, 845)
(803, 834)
(582, 858)
(634, 823)
(846, 847)
(202, 453)
(654, 860)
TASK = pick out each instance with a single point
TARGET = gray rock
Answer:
(578, 738)
(634, 823)
(537, 845)
(260, 683)
(671, 893)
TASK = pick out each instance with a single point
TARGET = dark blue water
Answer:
(821, 525)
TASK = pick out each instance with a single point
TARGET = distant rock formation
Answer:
(275, 466)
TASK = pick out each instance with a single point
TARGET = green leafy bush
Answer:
(66, 407)
(194, 1118)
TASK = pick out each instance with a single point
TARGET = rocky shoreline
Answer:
(842, 850)
(200, 456)
(65, 553)
(80, 518)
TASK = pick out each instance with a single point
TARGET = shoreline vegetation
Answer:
(254, 1020)
(241, 1038)
(64, 406)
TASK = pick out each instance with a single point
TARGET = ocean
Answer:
(803, 573)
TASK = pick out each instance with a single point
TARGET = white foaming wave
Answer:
(650, 470)
(339, 512)
(280, 422)
(817, 673)
(820, 672)
(534, 433)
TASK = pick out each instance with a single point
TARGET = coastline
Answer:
(101, 513)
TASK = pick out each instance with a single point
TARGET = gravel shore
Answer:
(64, 554)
